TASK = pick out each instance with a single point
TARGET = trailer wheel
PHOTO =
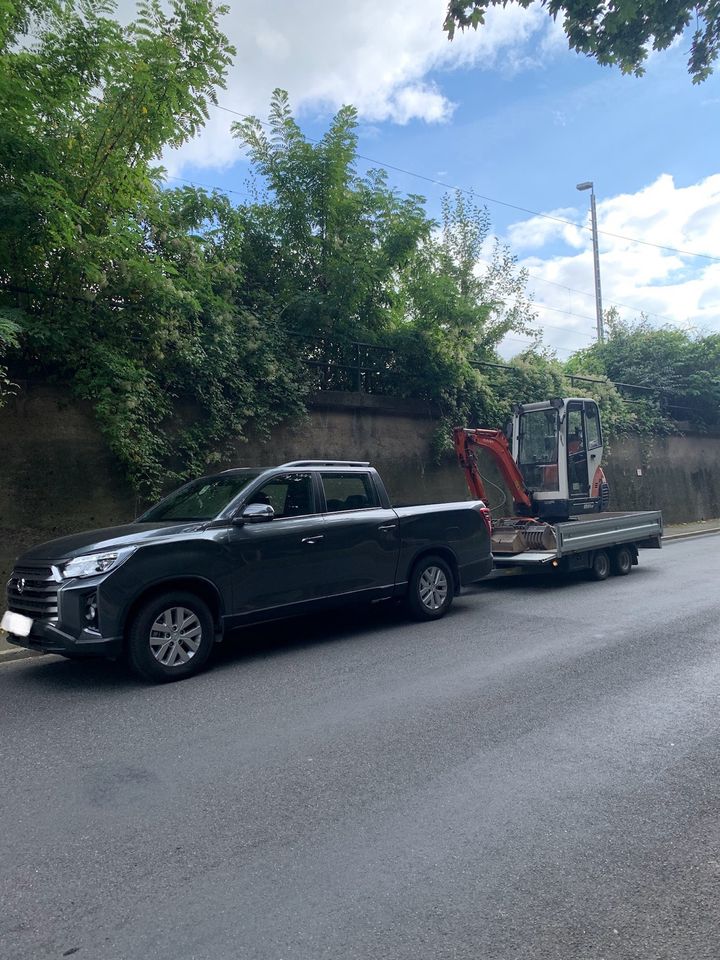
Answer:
(621, 561)
(600, 569)
(431, 589)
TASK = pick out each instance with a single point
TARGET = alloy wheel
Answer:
(175, 636)
(433, 588)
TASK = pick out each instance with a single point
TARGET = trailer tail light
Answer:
(487, 517)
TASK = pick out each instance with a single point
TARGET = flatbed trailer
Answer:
(602, 544)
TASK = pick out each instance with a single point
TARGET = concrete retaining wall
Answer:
(57, 476)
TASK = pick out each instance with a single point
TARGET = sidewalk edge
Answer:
(690, 534)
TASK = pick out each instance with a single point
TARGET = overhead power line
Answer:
(487, 199)
(205, 186)
(534, 276)
(591, 294)
(467, 190)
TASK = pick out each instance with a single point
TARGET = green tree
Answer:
(343, 257)
(460, 294)
(85, 111)
(680, 369)
(618, 33)
(464, 285)
(328, 242)
(9, 331)
(125, 291)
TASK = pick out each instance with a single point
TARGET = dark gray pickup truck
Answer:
(240, 547)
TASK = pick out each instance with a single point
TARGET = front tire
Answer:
(170, 637)
(431, 589)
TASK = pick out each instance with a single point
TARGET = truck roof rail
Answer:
(327, 463)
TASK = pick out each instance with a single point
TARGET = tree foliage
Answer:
(344, 257)
(9, 331)
(618, 33)
(680, 369)
(186, 319)
(124, 290)
(330, 241)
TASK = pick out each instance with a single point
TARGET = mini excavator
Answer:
(549, 457)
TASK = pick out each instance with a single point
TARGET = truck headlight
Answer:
(94, 563)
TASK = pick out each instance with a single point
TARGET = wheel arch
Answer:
(446, 554)
(204, 589)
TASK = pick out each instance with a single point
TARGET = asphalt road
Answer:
(536, 776)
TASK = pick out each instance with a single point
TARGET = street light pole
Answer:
(588, 185)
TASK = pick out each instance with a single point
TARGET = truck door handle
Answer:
(312, 539)
(388, 526)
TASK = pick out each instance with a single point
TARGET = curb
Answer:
(8, 656)
(21, 653)
(690, 534)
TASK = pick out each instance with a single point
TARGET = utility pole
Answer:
(588, 185)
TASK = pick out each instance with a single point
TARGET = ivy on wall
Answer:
(187, 320)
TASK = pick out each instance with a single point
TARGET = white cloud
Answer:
(670, 287)
(371, 53)
(538, 231)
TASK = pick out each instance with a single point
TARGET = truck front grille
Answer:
(33, 591)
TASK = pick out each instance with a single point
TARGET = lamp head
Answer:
(585, 185)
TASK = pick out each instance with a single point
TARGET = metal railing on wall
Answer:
(363, 367)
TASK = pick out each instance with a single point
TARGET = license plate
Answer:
(16, 623)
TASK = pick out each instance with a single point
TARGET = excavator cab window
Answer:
(538, 449)
(592, 423)
(577, 452)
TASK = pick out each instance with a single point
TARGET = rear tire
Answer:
(431, 589)
(170, 637)
(600, 569)
(621, 561)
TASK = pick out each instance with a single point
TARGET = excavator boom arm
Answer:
(494, 441)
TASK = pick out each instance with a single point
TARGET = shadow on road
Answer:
(246, 644)
(336, 626)
(56, 673)
(283, 636)
(544, 582)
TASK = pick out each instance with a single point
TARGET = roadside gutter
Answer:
(679, 531)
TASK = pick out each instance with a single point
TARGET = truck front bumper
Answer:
(49, 637)
(58, 611)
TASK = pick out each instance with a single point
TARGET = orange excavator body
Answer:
(495, 442)
(552, 471)
(511, 535)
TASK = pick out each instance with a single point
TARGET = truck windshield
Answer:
(538, 449)
(202, 499)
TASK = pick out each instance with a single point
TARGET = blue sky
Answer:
(511, 113)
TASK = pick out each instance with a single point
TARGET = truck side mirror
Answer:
(255, 513)
(508, 429)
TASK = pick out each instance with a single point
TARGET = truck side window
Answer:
(290, 495)
(592, 424)
(349, 491)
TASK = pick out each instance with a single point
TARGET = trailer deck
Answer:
(582, 535)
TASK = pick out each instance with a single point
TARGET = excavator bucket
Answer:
(511, 536)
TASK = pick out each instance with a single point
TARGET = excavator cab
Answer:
(557, 446)
(549, 458)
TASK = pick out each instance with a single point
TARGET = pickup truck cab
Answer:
(242, 546)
